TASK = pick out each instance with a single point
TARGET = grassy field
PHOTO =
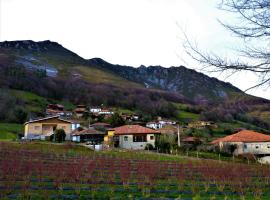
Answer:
(94, 75)
(9, 131)
(34, 103)
(184, 115)
(56, 171)
(187, 116)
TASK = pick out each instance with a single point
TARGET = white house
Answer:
(159, 124)
(105, 112)
(154, 125)
(245, 142)
(95, 110)
(134, 137)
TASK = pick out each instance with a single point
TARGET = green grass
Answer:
(225, 129)
(124, 111)
(27, 96)
(184, 115)
(37, 104)
(94, 75)
(9, 131)
(34, 103)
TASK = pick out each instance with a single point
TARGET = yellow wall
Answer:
(109, 135)
(26, 127)
(38, 128)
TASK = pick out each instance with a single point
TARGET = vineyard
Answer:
(31, 171)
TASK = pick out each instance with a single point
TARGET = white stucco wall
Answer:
(129, 144)
(257, 148)
(250, 148)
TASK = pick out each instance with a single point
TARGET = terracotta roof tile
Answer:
(101, 124)
(244, 136)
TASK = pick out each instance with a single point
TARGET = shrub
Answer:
(59, 135)
(149, 147)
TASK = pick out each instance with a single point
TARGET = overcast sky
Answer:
(129, 32)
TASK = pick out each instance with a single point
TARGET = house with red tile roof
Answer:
(134, 136)
(80, 110)
(245, 142)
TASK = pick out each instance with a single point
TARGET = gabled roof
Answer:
(46, 118)
(133, 129)
(100, 124)
(88, 132)
(80, 109)
(244, 136)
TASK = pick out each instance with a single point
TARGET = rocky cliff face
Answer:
(190, 83)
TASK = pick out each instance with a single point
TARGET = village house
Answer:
(160, 124)
(154, 125)
(45, 127)
(133, 137)
(244, 142)
(88, 135)
(105, 112)
(57, 109)
(201, 124)
(80, 110)
(130, 118)
(95, 110)
(135, 117)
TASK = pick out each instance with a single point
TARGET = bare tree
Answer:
(254, 29)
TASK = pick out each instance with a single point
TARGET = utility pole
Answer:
(178, 135)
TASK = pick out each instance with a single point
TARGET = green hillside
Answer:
(95, 75)
(10, 131)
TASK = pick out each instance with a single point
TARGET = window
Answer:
(139, 138)
(126, 138)
(257, 147)
(245, 146)
(36, 127)
(268, 146)
(151, 137)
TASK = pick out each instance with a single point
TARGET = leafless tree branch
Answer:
(254, 24)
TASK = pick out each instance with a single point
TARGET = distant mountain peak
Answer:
(30, 45)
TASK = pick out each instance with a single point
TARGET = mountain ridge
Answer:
(51, 71)
(168, 78)
(187, 82)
